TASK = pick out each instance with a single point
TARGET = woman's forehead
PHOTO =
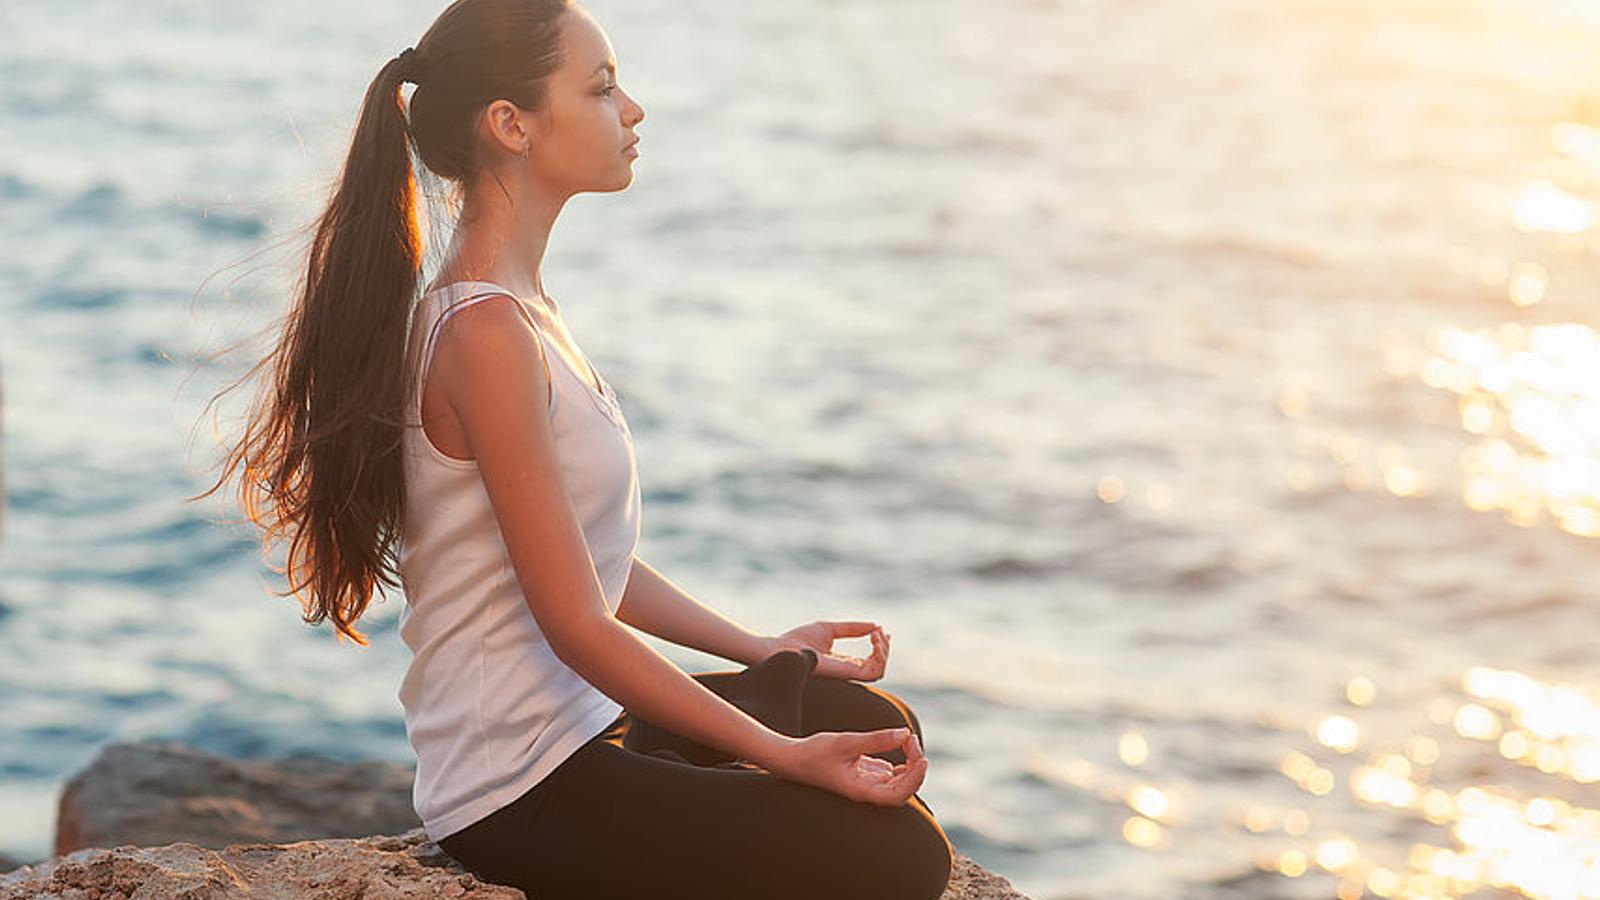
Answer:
(587, 48)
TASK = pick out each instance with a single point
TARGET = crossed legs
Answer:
(639, 811)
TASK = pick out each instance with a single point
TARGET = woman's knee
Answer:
(905, 710)
(915, 862)
(830, 703)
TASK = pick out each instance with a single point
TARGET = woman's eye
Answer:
(606, 91)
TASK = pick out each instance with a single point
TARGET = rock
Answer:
(387, 867)
(372, 868)
(970, 881)
(154, 793)
(7, 863)
(181, 823)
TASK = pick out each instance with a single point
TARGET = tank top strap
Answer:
(450, 309)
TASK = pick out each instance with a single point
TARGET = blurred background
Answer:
(1205, 393)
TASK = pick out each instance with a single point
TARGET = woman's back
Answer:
(490, 709)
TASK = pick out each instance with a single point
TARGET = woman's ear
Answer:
(505, 126)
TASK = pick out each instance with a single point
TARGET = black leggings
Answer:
(638, 811)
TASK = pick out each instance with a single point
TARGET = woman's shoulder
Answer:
(488, 342)
(489, 321)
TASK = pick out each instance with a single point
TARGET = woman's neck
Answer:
(502, 241)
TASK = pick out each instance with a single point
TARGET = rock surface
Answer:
(133, 795)
(151, 793)
(388, 867)
(373, 868)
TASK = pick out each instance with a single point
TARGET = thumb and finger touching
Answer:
(851, 629)
(886, 782)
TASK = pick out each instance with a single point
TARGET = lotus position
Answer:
(450, 438)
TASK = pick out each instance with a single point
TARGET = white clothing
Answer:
(490, 709)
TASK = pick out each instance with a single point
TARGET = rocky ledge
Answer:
(163, 820)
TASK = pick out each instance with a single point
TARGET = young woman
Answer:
(463, 442)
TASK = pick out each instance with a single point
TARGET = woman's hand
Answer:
(819, 636)
(837, 761)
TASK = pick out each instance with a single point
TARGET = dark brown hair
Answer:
(319, 462)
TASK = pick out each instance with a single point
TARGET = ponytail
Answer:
(319, 463)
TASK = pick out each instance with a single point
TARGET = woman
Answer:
(464, 444)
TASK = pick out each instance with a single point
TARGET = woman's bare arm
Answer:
(489, 364)
(653, 604)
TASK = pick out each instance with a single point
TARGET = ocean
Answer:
(1203, 394)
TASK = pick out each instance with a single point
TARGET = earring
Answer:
(525, 152)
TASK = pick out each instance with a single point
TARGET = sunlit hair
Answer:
(319, 464)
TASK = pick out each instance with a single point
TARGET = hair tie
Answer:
(410, 66)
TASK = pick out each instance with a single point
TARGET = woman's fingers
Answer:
(874, 777)
(910, 775)
(875, 765)
(892, 784)
(852, 771)
(916, 771)
(905, 781)
(851, 629)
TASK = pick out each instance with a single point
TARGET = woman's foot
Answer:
(769, 691)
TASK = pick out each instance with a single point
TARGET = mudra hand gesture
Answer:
(819, 636)
(841, 761)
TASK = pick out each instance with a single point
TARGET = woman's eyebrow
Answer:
(604, 65)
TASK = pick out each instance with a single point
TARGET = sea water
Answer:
(1202, 393)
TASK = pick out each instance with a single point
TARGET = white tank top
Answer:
(489, 708)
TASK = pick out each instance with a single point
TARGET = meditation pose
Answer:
(451, 438)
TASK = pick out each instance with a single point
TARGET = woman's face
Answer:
(580, 137)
